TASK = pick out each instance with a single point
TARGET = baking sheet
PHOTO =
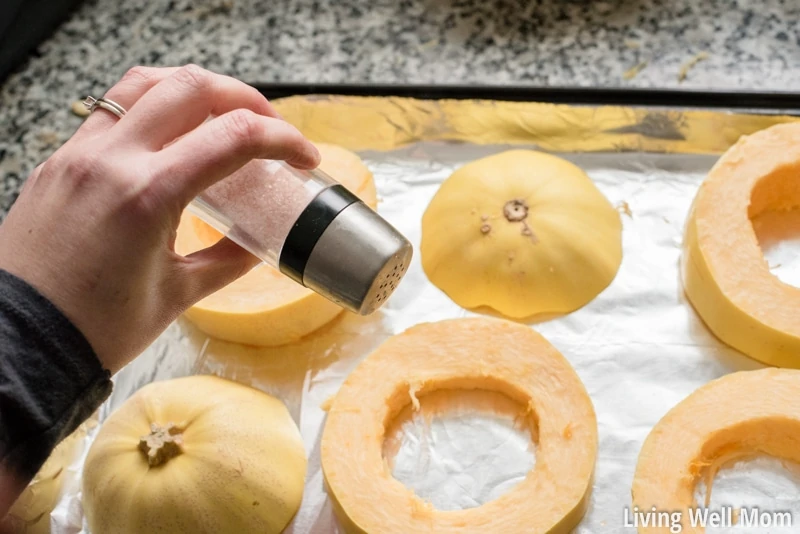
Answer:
(638, 347)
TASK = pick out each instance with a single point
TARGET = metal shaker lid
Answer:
(343, 250)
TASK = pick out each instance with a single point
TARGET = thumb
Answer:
(213, 268)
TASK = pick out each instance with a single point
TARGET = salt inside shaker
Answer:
(312, 229)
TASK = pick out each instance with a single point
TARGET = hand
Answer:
(94, 226)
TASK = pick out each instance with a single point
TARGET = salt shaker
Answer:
(312, 229)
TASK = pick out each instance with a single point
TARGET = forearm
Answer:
(50, 381)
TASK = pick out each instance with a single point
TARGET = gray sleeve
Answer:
(50, 378)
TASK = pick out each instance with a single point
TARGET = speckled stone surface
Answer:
(752, 44)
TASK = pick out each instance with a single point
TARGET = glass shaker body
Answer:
(311, 228)
(257, 206)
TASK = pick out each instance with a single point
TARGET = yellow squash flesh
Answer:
(195, 455)
(734, 417)
(725, 275)
(264, 307)
(462, 354)
(31, 511)
(522, 232)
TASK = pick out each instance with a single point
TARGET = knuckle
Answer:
(148, 198)
(145, 199)
(243, 127)
(57, 161)
(84, 167)
(138, 75)
(194, 77)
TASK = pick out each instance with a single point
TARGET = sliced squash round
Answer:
(522, 232)
(731, 418)
(461, 354)
(725, 275)
(264, 307)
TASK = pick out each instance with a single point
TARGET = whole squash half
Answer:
(264, 307)
(467, 354)
(522, 232)
(734, 417)
(725, 275)
(195, 455)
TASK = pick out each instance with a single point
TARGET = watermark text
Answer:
(701, 517)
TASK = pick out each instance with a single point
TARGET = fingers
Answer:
(182, 101)
(136, 82)
(223, 145)
(212, 268)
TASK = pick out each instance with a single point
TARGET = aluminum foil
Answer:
(638, 347)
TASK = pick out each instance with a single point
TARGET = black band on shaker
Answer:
(308, 228)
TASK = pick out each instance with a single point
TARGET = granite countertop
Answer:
(750, 44)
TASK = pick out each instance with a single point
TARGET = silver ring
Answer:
(92, 104)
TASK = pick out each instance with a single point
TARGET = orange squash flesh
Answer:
(725, 275)
(730, 418)
(264, 307)
(476, 353)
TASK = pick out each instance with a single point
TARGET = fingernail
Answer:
(315, 155)
(274, 112)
